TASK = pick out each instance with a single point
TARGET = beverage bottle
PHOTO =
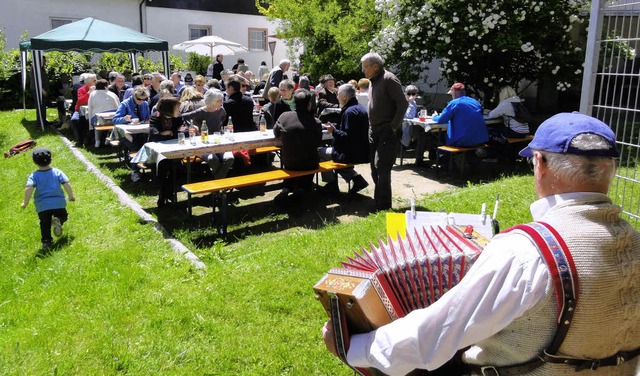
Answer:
(204, 132)
(192, 133)
(230, 126)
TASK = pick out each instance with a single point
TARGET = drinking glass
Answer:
(423, 115)
(180, 138)
(216, 137)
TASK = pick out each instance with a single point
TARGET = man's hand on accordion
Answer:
(329, 338)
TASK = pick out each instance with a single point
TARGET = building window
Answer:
(257, 39)
(57, 22)
(197, 31)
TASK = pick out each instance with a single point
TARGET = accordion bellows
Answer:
(390, 280)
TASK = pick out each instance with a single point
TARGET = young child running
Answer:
(49, 198)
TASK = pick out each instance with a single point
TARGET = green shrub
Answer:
(198, 63)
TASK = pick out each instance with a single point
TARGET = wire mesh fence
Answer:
(615, 84)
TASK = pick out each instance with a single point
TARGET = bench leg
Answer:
(223, 213)
(189, 205)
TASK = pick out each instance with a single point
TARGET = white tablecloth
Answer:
(126, 130)
(154, 152)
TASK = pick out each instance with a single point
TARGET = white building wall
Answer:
(34, 16)
(169, 24)
(173, 25)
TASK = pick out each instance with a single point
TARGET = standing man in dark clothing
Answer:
(216, 68)
(301, 135)
(239, 107)
(276, 75)
(350, 142)
(387, 105)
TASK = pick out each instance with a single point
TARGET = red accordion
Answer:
(389, 281)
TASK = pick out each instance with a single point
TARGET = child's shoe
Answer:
(57, 226)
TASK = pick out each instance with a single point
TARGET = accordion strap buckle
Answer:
(489, 371)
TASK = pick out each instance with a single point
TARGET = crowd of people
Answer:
(364, 116)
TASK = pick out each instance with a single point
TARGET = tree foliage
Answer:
(484, 43)
(326, 36)
(198, 63)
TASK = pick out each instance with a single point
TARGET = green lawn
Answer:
(112, 297)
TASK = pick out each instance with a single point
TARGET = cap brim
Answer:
(449, 92)
(526, 152)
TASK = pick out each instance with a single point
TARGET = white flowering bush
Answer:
(485, 44)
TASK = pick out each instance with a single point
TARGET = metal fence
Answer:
(611, 90)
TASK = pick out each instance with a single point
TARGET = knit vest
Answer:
(606, 251)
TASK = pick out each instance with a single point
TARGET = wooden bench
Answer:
(104, 128)
(460, 149)
(220, 187)
(268, 149)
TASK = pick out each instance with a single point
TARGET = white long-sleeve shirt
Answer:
(508, 278)
(505, 110)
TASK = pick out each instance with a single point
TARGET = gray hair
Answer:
(574, 168)
(168, 85)
(140, 91)
(90, 77)
(304, 82)
(211, 96)
(287, 83)
(348, 90)
(372, 58)
(284, 62)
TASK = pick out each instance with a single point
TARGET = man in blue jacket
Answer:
(464, 116)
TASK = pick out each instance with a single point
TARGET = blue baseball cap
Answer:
(556, 133)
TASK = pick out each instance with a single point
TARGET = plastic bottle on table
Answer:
(204, 132)
(193, 130)
(230, 126)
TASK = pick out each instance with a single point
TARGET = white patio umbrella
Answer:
(210, 45)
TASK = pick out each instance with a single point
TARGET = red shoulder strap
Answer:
(563, 272)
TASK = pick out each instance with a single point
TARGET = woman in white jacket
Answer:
(512, 127)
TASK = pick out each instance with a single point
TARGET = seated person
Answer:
(351, 142)
(363, 92)
(78, 121)
(512, 127)
(165, 126)
(328, 98)
(272, 110)
(200, 84)
(239, 107)
(413, 132)
(214, 115)
(411, 92)
(100, 100)
(118, 87)
(260, 86)
(190, 100)
(134, 109)
(301, 135)
(135, 82)
(178, 84)
(168, 87)
(463, 114)
(286, 93)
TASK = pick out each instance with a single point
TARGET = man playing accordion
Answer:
(505, 316)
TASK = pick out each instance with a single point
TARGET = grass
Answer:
(113, 298)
